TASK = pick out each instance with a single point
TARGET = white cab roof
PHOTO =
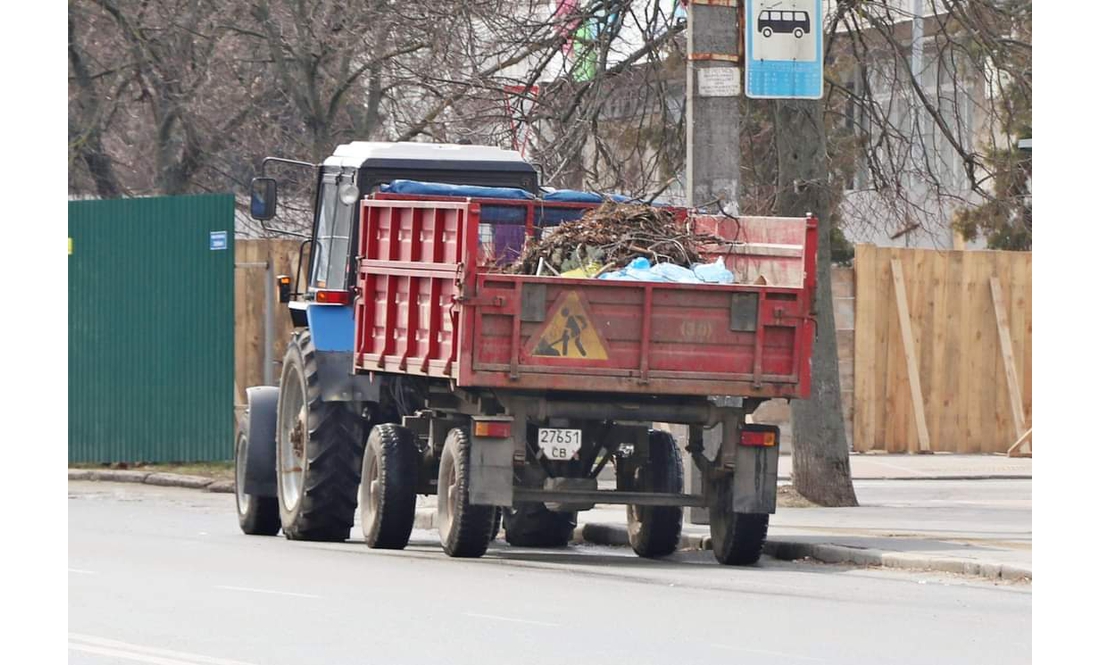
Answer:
(354, 154)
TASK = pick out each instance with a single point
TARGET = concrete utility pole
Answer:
(713, 148)
(713, 85)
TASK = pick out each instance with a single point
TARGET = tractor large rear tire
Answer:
(654, 531)
(464, 529)
(532, 525)
(319, 450)
(387, 495)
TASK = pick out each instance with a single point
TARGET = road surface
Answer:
(163, 576)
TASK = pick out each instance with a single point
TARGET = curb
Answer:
(615, 535)
(986, 476)
(153, 478)
(790, 550)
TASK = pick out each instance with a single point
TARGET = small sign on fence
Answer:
(218, 240)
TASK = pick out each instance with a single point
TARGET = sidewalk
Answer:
(866, 466)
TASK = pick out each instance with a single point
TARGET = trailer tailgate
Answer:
(634, 337)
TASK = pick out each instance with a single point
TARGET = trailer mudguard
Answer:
(333, 330)
(491, 463)
(756, 476)
(260, 420)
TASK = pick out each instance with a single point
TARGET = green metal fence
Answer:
(151, 329)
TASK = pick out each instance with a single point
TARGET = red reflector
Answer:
(750, 438)
(493, 429)
(332, 297)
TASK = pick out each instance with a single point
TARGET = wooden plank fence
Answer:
(942, 350)
(249, 309)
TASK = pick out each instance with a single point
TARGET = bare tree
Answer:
(930, 119)
(169, 96)
(94, 103)
(206, 88)
(155, 67)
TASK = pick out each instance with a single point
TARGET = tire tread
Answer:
(326, 509)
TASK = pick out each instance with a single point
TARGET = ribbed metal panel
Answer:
(150, 330)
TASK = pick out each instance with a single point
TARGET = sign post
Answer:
(784, 49)
(713, 144)
(713, 85)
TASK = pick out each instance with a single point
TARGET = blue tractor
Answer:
(299, 447)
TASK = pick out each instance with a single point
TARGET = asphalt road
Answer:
(163, 576)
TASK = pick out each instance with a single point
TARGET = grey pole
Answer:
(713, 84)
(269, 324)
(713, 145)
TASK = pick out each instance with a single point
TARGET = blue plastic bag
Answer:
(641, 270)
(713, 273)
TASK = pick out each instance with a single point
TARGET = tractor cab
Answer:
(358, 169)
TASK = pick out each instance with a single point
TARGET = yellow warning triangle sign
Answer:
(570, 333)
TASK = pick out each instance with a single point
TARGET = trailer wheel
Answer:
(257, 515)
(387, 494)
(533, 525)
(464, 529)
(737, 538)
(654, 531)
(319, 449)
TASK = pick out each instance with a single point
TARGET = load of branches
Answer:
(611, 236)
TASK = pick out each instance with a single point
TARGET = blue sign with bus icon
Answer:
(783, 49)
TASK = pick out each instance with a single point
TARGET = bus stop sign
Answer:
(783, 49)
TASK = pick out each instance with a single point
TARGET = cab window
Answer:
(334, 223)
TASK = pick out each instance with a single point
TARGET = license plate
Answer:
(559, 444)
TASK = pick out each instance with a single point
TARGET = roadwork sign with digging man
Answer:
(569, 333)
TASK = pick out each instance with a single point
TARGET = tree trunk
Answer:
(821, 470)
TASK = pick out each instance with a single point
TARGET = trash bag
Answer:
(713, 273)
(641, 270)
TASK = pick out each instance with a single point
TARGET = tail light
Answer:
(762, 438)
(332, 297)
(493, 429)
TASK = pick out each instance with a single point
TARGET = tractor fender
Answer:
(333, 331)
(260, 420)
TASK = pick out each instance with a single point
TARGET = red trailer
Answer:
(529, 385)
(430, 305)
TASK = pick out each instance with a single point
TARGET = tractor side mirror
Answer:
(264, 196)
(284, 288)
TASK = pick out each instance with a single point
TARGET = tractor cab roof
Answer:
(443, 156)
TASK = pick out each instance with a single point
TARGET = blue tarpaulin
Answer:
(577, 196)
(441, 189)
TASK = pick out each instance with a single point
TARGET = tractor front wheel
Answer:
(256, 515)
